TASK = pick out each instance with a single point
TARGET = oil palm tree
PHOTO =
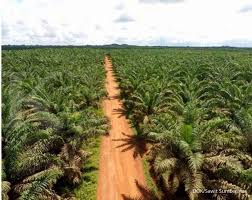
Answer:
(177, 160)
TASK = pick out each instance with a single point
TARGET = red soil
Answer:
(118, 170)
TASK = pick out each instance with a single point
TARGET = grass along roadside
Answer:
(87, 189)
(149, 181)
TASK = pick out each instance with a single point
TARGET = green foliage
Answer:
(50, 108)
(195, 106)
(87, 188)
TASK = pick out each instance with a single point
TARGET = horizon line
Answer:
(115, 44)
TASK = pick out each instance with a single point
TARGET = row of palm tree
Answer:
(195, 108)
(50, 110)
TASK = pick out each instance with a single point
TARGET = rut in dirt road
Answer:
(118, 170)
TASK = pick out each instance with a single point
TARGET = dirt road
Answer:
(118, 170)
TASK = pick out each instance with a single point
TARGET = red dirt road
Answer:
(118, 170)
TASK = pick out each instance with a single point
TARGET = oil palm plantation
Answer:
(49, 112)
(195, 108)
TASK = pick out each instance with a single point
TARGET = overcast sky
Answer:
(139, 22)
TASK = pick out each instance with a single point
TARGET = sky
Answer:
(134, 22)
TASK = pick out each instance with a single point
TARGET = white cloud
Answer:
(246, 8)
(141, 22)
(120, 6)
(124, 18)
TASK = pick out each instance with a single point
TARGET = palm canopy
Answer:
(194, 106)
(50, 108)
